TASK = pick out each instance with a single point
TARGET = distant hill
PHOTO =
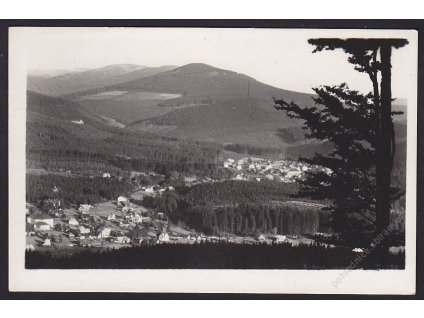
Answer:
(198, 102)
(53, 73)
(201, 102)
(76, 81)
(203, 81)
(247, 120)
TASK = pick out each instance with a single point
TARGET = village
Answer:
(118, 224)
(125, 222)
(288, 171)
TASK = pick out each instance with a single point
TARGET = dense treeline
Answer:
(75, 166)
(74, 190)
(164, 154)
(240, 207)
(213, 256)
(255, 150)
(238, 191)
(247, 208)
(228, 192)
(251, 219)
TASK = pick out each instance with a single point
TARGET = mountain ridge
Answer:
(197, 102)
(76, 81)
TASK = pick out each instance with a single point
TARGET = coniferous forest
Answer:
(241, 207)
(74, 190)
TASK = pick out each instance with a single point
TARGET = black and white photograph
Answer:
(212, 159)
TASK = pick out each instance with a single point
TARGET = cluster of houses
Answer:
(156, 190)
(83, 229)
(40, 221)
(131, 214)
(79, 228)
(264, 169)
(231, 163)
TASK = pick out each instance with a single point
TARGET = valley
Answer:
(130, 155)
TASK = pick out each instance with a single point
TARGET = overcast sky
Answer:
(281, 58)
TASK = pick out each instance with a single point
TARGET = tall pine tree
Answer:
(360, 127)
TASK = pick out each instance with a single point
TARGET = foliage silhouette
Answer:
(361, 130)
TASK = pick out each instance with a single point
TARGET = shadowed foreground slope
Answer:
(212, 256)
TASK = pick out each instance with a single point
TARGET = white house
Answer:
(111, 217)
(106, 175)
(122, 199)
(42, 226)
(104, 232)
(136, 218)
(73, 221)
(123, 240)
(226, 164)
(149, 190)
(269, 176)
(84, 230)
(240, 162)
(239, 177)
(40, 217)
(230, 160)
(85, 208)
(163, 237)
(293, 242)
(328, 171)
(47, 242)
(277, 238)
(239, 167)
(213, 239)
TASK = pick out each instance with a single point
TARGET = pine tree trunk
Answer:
(384, 152)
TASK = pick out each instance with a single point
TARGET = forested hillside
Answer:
(62, 136)
(241, 207)
(74, 190)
